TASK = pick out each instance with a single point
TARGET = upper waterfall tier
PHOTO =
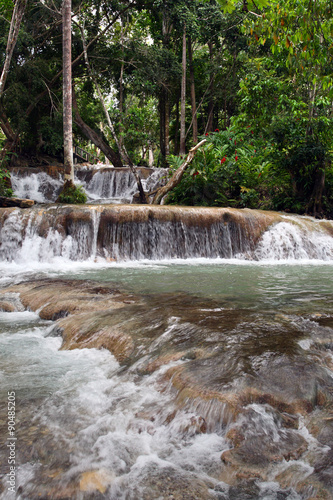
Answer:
(101, 183)
(135, 232)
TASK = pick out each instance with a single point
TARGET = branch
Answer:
(14, 29)
(177, 176)
(121, 148)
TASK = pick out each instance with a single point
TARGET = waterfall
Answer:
(102, 184)
(37, 186)
(123, 233)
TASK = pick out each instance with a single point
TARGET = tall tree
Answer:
(193, 99)
(182, 148)
(67, 92)
(14, 28)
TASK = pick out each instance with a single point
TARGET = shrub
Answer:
(72, 194)
(5, 189)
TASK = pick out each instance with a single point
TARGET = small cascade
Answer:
(102, 184)
(117, 185)
(297, 238)
(112, 185)
(123, 233)
(37, 186)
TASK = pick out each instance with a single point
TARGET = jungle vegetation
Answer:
(152, 78)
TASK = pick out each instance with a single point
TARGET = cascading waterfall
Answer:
(103, 184)
(166, 352)
(145, 232)
(37, 186)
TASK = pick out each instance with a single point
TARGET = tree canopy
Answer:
(257, 84)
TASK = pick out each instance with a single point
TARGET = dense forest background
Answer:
(254, 78)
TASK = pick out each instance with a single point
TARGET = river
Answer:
(165, 353)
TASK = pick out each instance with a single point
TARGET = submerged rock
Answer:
(234, 372)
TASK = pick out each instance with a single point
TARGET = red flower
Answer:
(217, 130)
(236, 158)
(195, 173)
(235, 142)
(251, 131)
(223, 160)
(206, 133)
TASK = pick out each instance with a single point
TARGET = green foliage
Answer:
(73, 195)
(262, 72)
(137, 126)
(5, 189)
(50, 129)
(232, 168)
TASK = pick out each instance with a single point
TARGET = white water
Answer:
(91, 409)
(101, 424)
(295, 240)
(103, 427)
(106, 185)
(39, 187)
(26, 236)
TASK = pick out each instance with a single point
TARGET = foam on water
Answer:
(105, 183)
(295, 240)
(91, 406)
(39, 187)
(24, 239)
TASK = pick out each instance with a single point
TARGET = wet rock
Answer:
(15, 202)
(260, 450)
(6, 306)
(91, 330)
(167, 482)
(95, 481)
(55, 299)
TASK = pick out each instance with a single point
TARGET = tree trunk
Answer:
(6, 127)
(182, 148)
(163, 105)
(163, 124)
(176, 141)
(67, 91)
(315, 204)
(193, 100)
(95, 138)
(14, 28)
(121, 89)
(209, 125)
(121, 147)
(177, 176)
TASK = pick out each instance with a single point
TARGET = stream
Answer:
(154, 353)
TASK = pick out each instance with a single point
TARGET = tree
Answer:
(14, 28)
(67, 93)
(183, 98)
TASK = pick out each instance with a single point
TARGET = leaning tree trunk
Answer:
(177, 176)
(121, 147)
(95, 138)
(17, 15)
(11, 137)
(67, 91)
